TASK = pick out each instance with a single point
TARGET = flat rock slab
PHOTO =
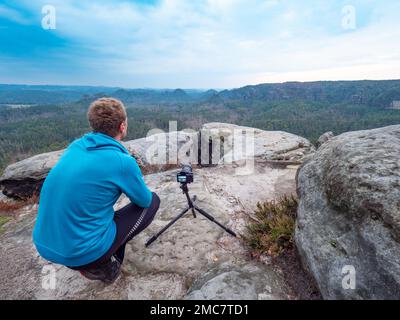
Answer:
(176, 263)
(241, 281)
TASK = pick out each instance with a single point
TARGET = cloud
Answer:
(216, 43)
(13, 15)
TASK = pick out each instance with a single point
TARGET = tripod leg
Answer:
(193, 211)
(211, 218)
(154, 238)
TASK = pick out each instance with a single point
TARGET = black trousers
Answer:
(130, 221)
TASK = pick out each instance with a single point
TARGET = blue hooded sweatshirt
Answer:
(75, 224)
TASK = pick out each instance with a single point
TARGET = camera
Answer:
(185, 175)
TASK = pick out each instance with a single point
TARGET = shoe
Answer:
(107, 272)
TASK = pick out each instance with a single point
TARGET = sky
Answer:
(197, 43)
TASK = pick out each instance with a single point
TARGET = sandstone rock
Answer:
(238, 282)
(349, 215)
(180, 257)
(21, 179)
(257, 144)
(164, 151)
(186, 252)
(324, 138)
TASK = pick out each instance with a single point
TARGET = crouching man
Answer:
(76, 224)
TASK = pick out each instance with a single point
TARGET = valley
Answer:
(57, 114)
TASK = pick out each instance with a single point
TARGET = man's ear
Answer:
(122, 126)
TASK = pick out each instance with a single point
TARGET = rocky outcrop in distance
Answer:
(213, 144)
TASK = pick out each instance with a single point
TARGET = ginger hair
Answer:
(105, 115)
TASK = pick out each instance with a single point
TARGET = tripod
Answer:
(192, 207)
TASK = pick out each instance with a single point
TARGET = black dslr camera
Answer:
(185, 175)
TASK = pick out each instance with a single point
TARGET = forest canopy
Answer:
(37, 119)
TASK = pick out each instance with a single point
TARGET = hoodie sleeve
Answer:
(132, 183)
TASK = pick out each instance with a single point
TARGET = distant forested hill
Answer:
(35, 119)
(30, 94)
(372, 93)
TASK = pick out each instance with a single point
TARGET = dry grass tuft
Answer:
(10, 207)
(274, 230)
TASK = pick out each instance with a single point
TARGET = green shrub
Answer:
(272, 230)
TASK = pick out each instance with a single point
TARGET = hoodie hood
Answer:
(96, 140)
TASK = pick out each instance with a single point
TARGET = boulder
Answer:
(164, 151)
(348, 225)
(255, 144)
(161, 151)
(324, 138)
(21, 179)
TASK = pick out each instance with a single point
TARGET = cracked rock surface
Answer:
(349, 215)
(173, 267)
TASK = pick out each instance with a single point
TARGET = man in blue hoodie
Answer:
(76, 224)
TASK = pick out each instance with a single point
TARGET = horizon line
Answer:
(188, 88)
